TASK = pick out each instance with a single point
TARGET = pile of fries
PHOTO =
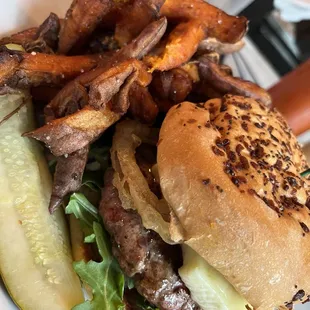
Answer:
(113, 58)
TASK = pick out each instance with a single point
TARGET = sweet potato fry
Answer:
(224, 83)
(216, 23)
(46, 38)
(182, 44)
(106, 85)
(139, 47)
(145, 41)
(71, 133)
(213, 45)
(170, 87)
(142, 106)
(68, 176)
(43, 39)
(21, 38)
(66, 102)
(81, 20)
(23, 70)
(135, 17)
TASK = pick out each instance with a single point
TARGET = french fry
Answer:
(68, 176)
(142, 106)
(21, 38)
(135, 16)
(74, 91)
(23, 70)
(46, 39)
(213, 45)
(43, 39)
(81, 20)
(170, 87)
(70, 133)
(182, 44)
(217, 24)
(224, 83)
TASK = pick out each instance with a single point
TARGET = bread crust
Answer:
(230, 170)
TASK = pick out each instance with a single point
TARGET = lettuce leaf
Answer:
(105, 278)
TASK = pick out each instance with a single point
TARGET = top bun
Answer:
(230, 170)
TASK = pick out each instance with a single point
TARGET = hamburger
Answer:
(229, 171)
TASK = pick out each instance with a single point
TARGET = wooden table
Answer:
(291, 96)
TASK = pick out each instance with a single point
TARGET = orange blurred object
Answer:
(291, 96)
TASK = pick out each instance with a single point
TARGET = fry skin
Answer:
(23, 70)
(68, 176)
(170, 88)
(135, 17)
(221, 81)
(81, 20)
(142, 107)
(107, 102)
(182, 44)
(217, 24)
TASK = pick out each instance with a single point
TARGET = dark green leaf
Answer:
(105, 278)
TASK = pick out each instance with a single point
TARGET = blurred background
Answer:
(277, 55)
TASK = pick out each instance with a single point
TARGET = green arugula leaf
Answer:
(82, 209)
(90, 239)
(105, 278)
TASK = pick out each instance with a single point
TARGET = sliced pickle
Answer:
(35, 256)
(207, 286)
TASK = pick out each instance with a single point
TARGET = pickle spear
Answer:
(35, 257)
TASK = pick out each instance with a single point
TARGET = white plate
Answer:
(16, 15)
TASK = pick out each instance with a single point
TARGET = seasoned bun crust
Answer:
(230, 171)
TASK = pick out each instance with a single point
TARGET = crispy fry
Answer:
(66, 102)
(71, 133)
(145, 42)
(224, 83)
(213, 56)
(42, 39)
(204, 91)
(81, 20)
(21, 38)
(181, 46)
(142, 106)
(68, 176)
(217, 24)
(135, 17)
(46, 38)
(106, 85)
(226, 69)
(170, 87)
(22, 70)
(139, 47)
(212, 44)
